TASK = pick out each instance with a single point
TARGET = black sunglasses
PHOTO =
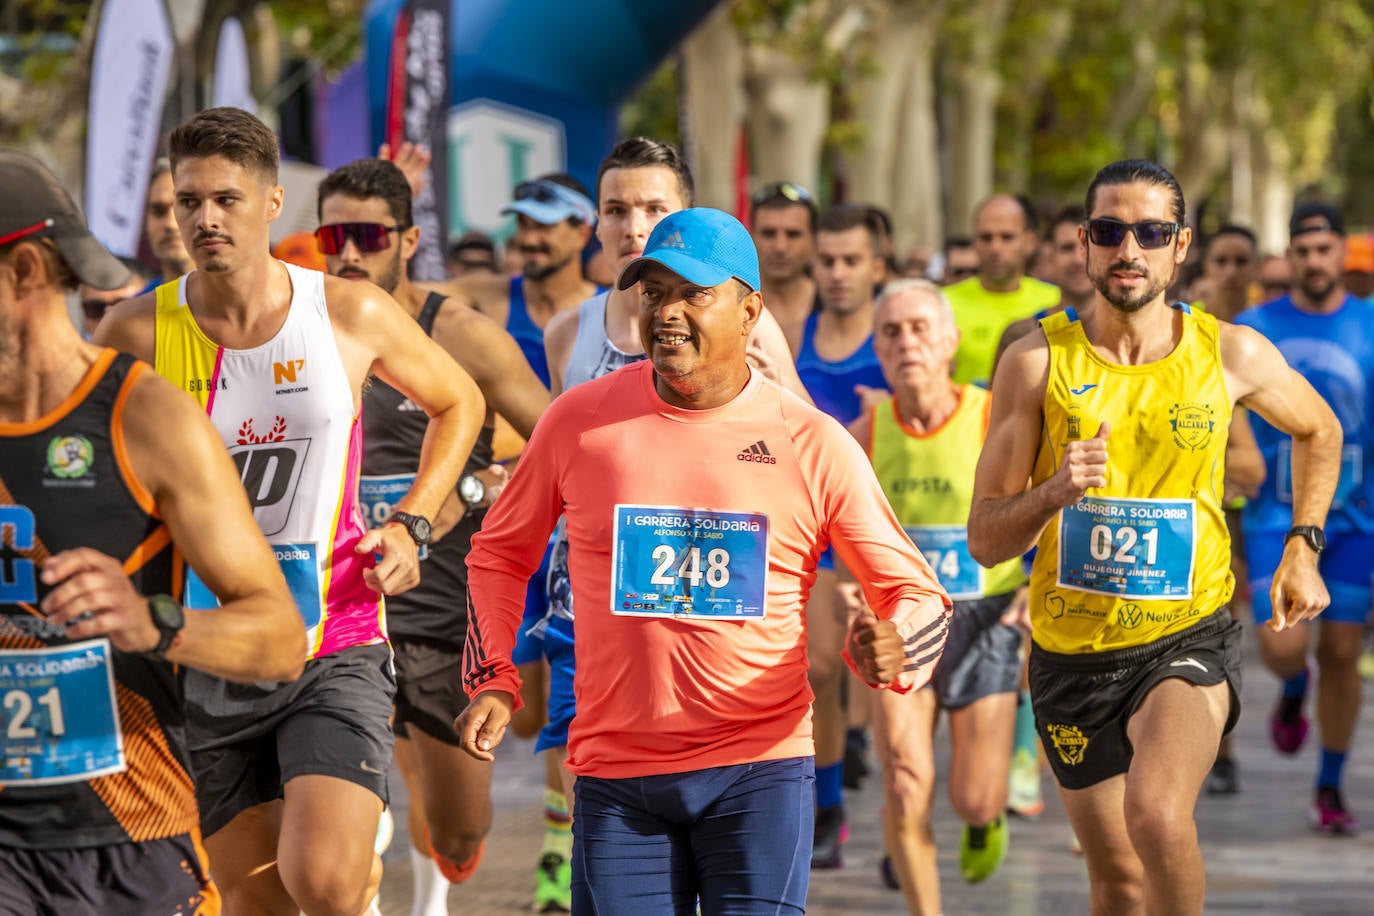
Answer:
(782, 190)
(369, 237)
(536, 190)
(1150, 233)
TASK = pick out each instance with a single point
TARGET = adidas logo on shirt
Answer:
(758, 452)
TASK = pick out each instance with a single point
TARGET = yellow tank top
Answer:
(928, 479)
(1148, 554)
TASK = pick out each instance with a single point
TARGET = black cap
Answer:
(1315, 216)
(37, 206)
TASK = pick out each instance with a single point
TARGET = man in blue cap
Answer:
(554, 218)
(698, 498)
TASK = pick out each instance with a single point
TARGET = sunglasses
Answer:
(368, 237)
(782, 190)
(1150, 233)
(95, 309)
(537, 191)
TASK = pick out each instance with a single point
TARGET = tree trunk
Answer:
(1242, 147)
(789, 111)
(1204, 98)
(973, 130)
(713, 106)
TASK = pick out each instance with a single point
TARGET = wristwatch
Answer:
(169, 618)
(1314, 536)
(417, 525)
(472, 491)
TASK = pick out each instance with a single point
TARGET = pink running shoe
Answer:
(1329, 814)
(1287, 727)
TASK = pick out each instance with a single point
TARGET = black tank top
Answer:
(393, 431)
(94, 739)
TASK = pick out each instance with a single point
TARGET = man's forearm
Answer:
(1000, 529)
(448, 441)
(252, 639)
(1316, 471)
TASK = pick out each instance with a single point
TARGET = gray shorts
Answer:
(333, 721)
(982, 655)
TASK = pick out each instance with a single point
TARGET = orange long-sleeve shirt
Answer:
(693, 537)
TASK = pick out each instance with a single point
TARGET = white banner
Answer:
(129, 69)
(232, 87)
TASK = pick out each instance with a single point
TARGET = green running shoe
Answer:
(553, 884)
(982, 849)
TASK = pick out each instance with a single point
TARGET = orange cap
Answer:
(1359, 254)
(300, 249)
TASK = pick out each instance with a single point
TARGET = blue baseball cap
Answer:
(548, 202)
(700, 245)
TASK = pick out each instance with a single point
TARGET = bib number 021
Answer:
(670, 569)
(1102, 539)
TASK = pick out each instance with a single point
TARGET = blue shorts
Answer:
(558, 648)
(827, 559)
(530, 648)
(1346, 565)
(736, 837)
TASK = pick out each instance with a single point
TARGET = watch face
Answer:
(420, 528)
(167, 613)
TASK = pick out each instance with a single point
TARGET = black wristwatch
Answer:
(472, 491)
(417, 525)
(169, 618)
(1314, 536)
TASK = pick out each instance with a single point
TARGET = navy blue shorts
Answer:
(737, 837)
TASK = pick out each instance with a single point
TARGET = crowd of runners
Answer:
(726, 513)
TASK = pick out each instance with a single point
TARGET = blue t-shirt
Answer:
(1335, 353)
(831, 385)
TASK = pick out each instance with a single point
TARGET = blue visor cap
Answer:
(702, 246)
(548, 203)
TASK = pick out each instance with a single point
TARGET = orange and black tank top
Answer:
(93, 738)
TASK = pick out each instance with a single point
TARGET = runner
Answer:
(450, 793)
(692, 739)
(919, 442)
(1130, 584)
(960, 260)
(1327, 335)
(1229, 260)
(160, 227)
(292, 779)
(98, 813)
(95, 302)
(1068, 270)
(837, 364)
(782, 220)
(1004, 239)
(1275, 276)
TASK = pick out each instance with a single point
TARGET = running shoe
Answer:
(1329, 814)
(1224, 779)
(1288, 726)
(1366, 664)
(1023, 785)
(982, 849)
(889, 874)
(832, 831)
(553, 884)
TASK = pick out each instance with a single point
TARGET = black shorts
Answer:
(333, 721)
(168, 876)
(429, 687)
(1083, 702)
(982, 655)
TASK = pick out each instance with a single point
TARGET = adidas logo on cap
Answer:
(673, 241)
(758, 453)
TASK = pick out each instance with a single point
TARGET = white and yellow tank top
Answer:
(928, 479)
(1148, 554)
(285, 411)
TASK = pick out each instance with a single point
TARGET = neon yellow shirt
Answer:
(983, 315)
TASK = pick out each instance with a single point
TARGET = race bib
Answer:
(61, 722)
(946, 550)
(1128, 548)
(1352, 473)
(379, 495)
(299, 564)
(689, 563)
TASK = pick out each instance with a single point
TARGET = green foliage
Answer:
(654, 110)
(330, 31)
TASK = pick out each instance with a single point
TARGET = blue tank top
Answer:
(527, 334)
(831, 385)
(1335, 353)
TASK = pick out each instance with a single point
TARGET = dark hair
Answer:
(642, 152)
(1230, 229)
(1136, 171)
(957, 241)
(783, 194)
(364, 179)
(229, 132)
(161, 167)
(843, 217)
(1073, 214)
(472, 240)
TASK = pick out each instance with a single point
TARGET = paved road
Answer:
(1260, 856)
